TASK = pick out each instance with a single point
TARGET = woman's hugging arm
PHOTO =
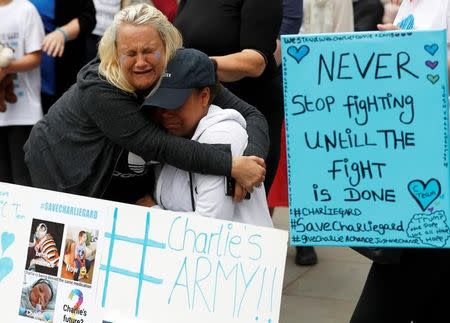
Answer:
(257, 128)
(118, 116)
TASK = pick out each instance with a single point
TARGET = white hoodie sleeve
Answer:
(209, 190)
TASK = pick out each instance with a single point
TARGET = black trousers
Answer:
(12, 164)
(416, 290)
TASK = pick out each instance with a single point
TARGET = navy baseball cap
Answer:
(189, 69)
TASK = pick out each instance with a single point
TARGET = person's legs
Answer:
(5, 160)
(384, 298)
(428, 274)
(17, 137)
(305, 256)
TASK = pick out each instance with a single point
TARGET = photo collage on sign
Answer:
(57, 254)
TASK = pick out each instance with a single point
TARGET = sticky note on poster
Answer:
(367, 138)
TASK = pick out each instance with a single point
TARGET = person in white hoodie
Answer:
(182, 105)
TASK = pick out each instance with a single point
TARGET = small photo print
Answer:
(38, 298)
(79, 254)
(44, 247)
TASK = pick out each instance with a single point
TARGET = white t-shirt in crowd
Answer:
(104, 14)
(21, 28)
(424, 15)
(106, 9)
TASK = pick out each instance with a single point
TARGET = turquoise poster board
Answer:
(367, 138)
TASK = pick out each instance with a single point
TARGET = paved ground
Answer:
(325, 293)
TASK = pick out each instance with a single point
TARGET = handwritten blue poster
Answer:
(367, 138)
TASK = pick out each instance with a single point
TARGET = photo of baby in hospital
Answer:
(79, 255)
(38, 298)
(44, 247)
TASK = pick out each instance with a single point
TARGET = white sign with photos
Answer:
(67, 258)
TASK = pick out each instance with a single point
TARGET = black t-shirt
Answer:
(131, 180)
(222, 27)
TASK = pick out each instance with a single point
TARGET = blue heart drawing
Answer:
(6, 266)
(298, 53)
(407, 23)
(7, 241)
(433, 78)
(424, 194)
(431, 49)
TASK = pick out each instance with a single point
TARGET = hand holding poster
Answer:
(367, 138)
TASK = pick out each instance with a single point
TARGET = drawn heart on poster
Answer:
(431, 49)
(7, 241)
(431, 64)
(6, 266)
(298, 53)
(424, 194)
(433, 78)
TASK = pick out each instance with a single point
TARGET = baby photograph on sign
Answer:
(45, 247)
(38, 298)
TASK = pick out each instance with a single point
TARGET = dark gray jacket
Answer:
(76, 146)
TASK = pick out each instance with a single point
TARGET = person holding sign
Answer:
(95, 141)
(182, 106)
(416, 288)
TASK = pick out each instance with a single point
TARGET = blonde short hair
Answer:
(140, 14)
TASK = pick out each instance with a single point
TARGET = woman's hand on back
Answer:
(249, 171)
